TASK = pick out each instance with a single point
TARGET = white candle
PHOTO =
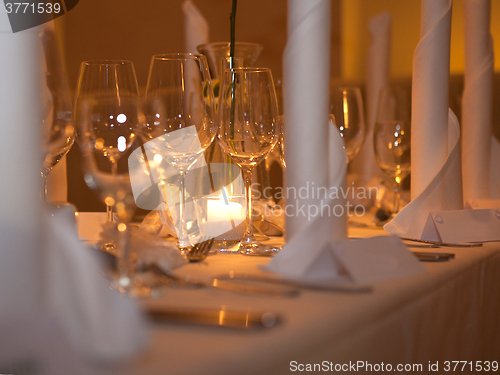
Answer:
(218, 211)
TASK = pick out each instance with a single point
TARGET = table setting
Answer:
(340, 264)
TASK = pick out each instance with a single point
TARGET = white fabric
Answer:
(377, 76)
(435, 154)
(444, 192)
(325, 228)
(477, 100)
(449, 312)
(99, 322)
(431, 70)
(20, 166)
(196, 28)
(306, 69)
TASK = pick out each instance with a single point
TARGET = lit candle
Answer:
(218, 210)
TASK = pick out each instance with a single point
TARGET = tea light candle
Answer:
(218, 210)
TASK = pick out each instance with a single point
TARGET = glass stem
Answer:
(397, 195)
(183, 238)
(125, 266)
(247, 177)
(109, 209)
(43, 192)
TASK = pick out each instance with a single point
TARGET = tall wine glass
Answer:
(346, 106)
(248, 130)
(179, 109)
(392, 137)
(108, 115)
(59, 133)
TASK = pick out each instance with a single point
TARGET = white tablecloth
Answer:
(451, 313)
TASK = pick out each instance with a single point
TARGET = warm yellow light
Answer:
(99, 144)
(345, 109)
(109, 201)
(122, 227)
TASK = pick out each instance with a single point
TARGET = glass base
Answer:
(108, 247)
(252, 247)
(138, 285)
(227, 246)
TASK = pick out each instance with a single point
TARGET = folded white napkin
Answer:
(315, 155)
(99, 322)
(20, 187)
(306, 82)
(353, 262)
(477, 101)
(377, 76)
(435, 154)
(196, 29)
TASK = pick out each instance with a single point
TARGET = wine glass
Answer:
(108, 115)
(58, 130)
(179, 107)
(392, 137)
(248, 130)
(346, 109)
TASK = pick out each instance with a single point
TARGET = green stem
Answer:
(233, 28)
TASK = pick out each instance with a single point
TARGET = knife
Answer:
(215, 317)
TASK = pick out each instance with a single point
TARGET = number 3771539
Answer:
(33, 7)
(471, 366)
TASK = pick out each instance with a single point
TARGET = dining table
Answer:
(443, 320)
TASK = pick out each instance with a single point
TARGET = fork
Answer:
(443, 244)
(199, 251)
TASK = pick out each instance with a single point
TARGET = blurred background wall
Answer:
(135, 30)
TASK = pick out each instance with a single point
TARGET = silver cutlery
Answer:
(433, 257)
(443, 244)
(199, 251)
(215, 317)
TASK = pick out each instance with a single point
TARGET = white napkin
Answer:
(377, 75)
(21, 76)
(315, 155)
(435, 154)
(196, 29)
(101, 323)
(306, 81)
(431, 70)
(477, 100)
